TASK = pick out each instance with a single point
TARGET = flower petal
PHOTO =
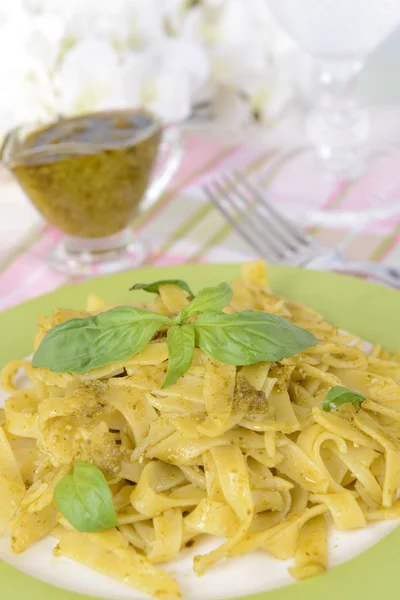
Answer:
(90, 78)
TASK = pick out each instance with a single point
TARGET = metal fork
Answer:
(279, 240)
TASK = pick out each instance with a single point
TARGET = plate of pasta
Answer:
(201, 432)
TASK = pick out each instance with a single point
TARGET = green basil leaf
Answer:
(154, 287)
(85, 499)
(339, 395)
(211, 298)
(249, 337)
(79, 345)
(180, 341)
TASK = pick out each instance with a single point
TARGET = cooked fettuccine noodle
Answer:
(246, 454)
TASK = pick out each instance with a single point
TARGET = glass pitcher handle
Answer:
(169, 159)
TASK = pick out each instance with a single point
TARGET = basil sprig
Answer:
(180, 341)
(249, 337)
(79, 345)
(154, 287)
(85, 499)
(241, 338)
(339, 395)
(211, 298)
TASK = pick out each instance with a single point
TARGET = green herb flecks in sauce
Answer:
(88, 174)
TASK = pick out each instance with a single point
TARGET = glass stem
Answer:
(337, 126)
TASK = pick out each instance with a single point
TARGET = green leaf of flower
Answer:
(85, 499)
(154, 287)
(79, 345)
(339, 395)
(249, 337)
(180, 341)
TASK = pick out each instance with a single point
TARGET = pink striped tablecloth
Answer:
(182, 226)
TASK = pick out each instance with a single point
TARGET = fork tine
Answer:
(271, 232)
(260, 229)
(224, 200)
(276, 237)
(286, 223)
(217, 199)
(260, 224)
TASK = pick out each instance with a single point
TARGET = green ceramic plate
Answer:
(364, 308)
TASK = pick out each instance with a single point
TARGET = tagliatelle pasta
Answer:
(245, 454)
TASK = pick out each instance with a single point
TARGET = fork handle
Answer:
(381, 273)
(384, 274)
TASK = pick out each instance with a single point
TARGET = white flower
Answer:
(166, 78)
(174, 13)
(242, 67)
(187, 59)
(22, 103)
(30, 45)
(245, 50)
(43, 40)
(146, 22)
(89, 78)
(231, 108)
(166, 55)
(9, 9)
(99, 19)
(62, 8)
(166, 95)
(124, 23)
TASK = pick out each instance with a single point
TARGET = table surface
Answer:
(182, 226)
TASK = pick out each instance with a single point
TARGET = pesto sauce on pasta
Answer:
(244, 453)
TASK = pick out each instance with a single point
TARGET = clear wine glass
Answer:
(338, 35)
